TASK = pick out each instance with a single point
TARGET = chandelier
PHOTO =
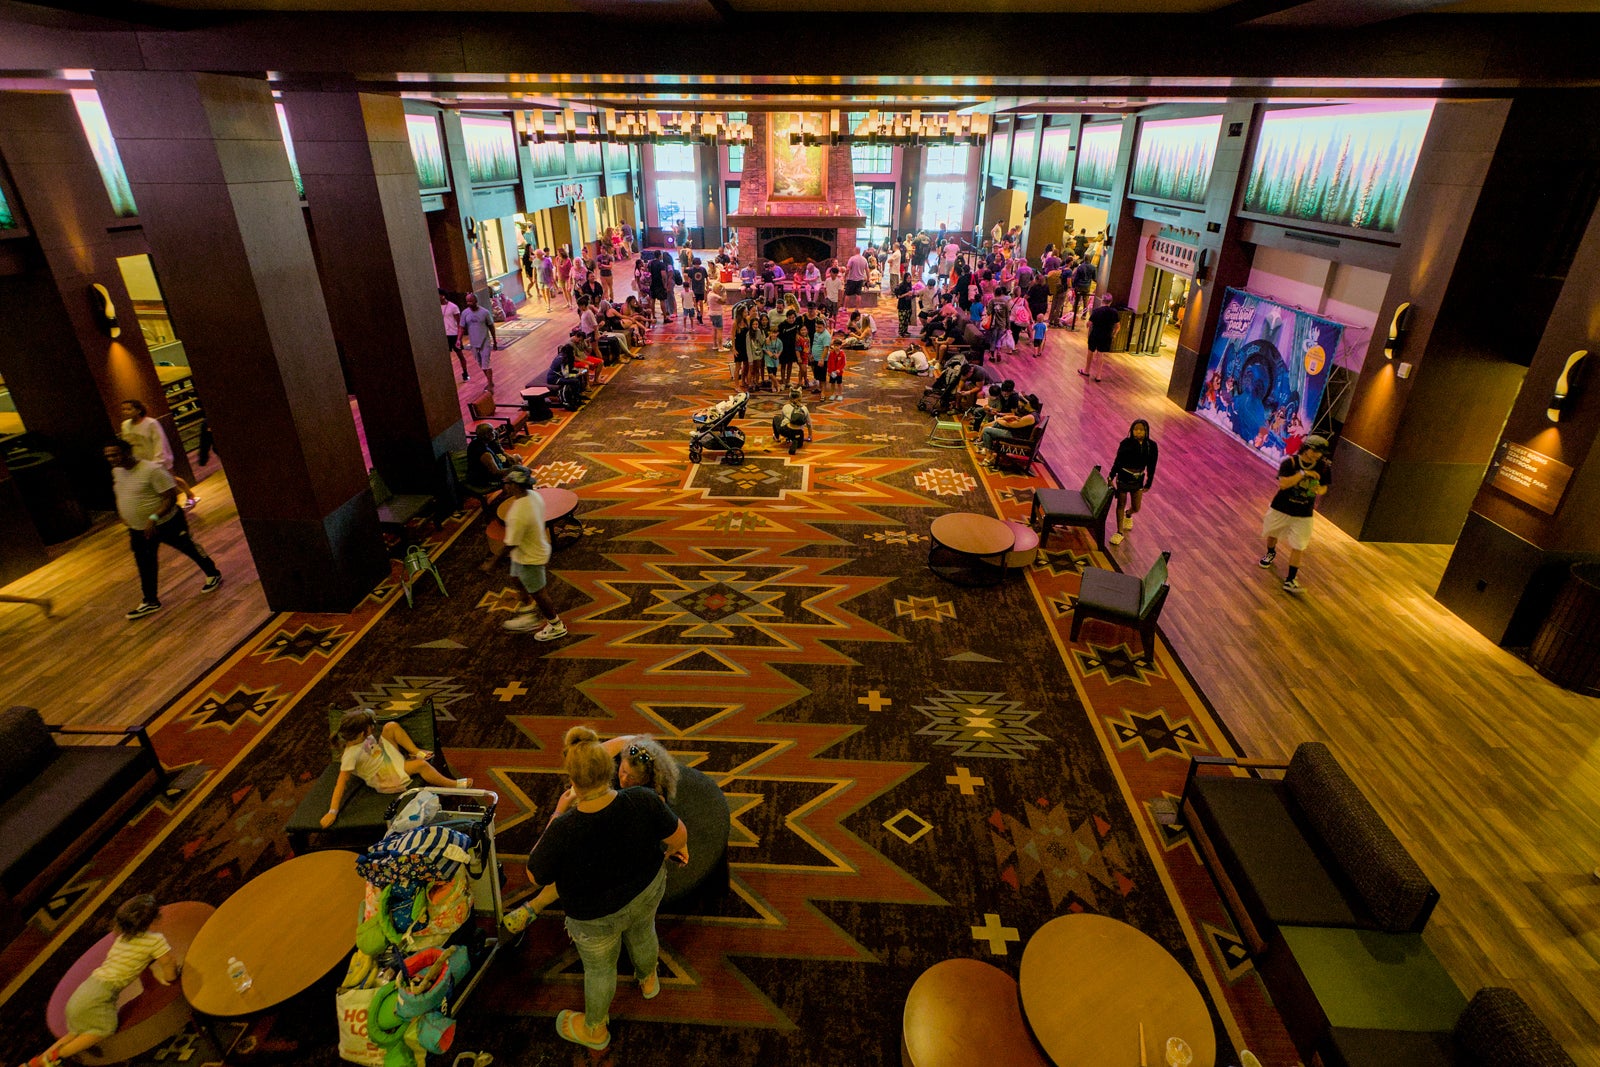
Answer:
(913, 127)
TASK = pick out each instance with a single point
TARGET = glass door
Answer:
(875, 200)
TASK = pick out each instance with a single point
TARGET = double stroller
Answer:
(714, 430)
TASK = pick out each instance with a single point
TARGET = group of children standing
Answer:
(794, 350)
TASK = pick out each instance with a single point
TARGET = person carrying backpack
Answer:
(1082, 282)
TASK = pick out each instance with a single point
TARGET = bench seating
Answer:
(1306, 850)
(1497, 1028)
(57, 802)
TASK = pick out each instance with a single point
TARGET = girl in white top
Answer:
(92, 1009)
(149, 441)
(375, 757)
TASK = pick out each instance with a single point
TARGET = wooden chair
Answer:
(467, 484)
(1019, 455)
(1086, 507)
(511, 428)
(396, 511)
(1125, 600)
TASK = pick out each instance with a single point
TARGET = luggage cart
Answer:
(471, 812)
(714, 430)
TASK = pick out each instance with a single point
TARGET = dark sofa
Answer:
(1497, 1029)
(1304, 850)
(58, 801)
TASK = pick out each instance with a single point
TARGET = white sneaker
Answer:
(1127, 524)
(1114, 539)
(551, 632)
(522, 622)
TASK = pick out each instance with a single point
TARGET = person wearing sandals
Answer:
(605, 855)
(640, 761)
(1132, 472)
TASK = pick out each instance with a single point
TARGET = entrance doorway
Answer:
(1160, 313)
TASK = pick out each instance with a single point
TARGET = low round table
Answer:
(289, 926)
(157, 1012)
(969, 549)
(964, 1012)
(1088, 982)
(560, 517)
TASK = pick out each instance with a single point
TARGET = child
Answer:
(836, 369)
(92, 1009)
(1132, 472)
(1039, 328)
(821, 345)
(375, 758)
(832, 290)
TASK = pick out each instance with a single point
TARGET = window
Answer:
(948, 159)
(677, 198)
(872, 158)
(943, 203)
(736, 159)
(494, 248)
(675, 157)
(876, 202)
(731, 198)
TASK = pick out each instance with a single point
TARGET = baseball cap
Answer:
(1316, 441)
(518, 476)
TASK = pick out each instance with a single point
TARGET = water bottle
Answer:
(238, 975)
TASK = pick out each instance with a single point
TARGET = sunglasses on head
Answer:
(638, 752)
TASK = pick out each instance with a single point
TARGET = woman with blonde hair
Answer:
(604, 854)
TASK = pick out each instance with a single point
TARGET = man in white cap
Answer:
(1302, 478)
(529, 544)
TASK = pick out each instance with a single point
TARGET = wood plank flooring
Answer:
(1488, 773)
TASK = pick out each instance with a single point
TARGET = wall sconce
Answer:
(1201, 268)
(103, 310)
(1567, 386)
(1399, 326)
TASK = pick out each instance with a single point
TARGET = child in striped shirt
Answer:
(92, 1008)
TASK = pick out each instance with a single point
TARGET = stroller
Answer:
(714, 429)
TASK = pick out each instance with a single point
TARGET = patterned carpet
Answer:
(916, 770)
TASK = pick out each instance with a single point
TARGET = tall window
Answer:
(675, 157)
(948, 159)
(872, 158)
(731, 195)
(677, 198)
(735, 158)
(876, 202)
(943, 203)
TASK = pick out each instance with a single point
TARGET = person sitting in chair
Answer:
(1013, 427)
(487, 460)
(792, 424)
(566, 381)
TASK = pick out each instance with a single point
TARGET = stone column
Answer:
(207, 164)
(372, 243)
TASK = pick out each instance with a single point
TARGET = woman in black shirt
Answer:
(1132, 472)
(605, 855)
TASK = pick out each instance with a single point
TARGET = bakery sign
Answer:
(1531, 477)
(1169, 251)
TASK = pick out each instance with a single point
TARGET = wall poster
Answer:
(794, 171)
(1098, 145)
(491, 144)
(427, 152)
(1055, 155)
(1174, 157)
(1268, 367)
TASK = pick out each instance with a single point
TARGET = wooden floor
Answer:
(1488, 773)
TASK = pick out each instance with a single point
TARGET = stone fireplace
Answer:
(792, 231)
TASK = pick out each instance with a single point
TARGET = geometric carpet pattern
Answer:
(916, 770)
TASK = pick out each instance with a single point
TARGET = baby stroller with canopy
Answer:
(714, 430)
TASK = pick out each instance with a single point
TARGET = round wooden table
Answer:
(560, 516)
(289, 926)
(157, 1012)
(964, 1012)
(969, 549)
(1088, 982)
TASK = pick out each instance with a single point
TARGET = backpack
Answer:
(1083, 276)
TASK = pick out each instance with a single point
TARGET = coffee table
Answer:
(289, 926)
(969, 549)
(1088, 982)
(560, 517)
(157, 1012)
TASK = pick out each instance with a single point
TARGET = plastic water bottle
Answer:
(238, 975)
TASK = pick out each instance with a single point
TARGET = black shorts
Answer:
(786, 360)
(1129, 483)
(853, 288)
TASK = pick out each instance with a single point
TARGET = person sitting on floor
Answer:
(792, 424)
(912, 359)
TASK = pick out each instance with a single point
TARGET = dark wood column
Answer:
(208, 168)
(912, 161)
(372, 242)
(1225, 255)
(73, 396)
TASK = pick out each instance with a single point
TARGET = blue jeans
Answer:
(599, 944)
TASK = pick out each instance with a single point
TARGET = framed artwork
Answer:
(427, 151)
(1174, 157)
(491, 146)
(794, 172)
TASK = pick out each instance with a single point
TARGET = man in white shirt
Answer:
(150, 442)
(147, 503)
(529, 544)
(951, 251)
(892, 266)
(452, 331)
(478, 324)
